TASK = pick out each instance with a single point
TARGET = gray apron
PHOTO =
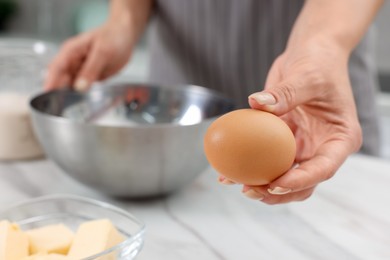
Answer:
(229, 46)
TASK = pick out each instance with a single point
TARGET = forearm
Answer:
(338, 22)
(132, 14)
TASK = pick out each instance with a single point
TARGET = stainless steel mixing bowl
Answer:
(128, 140)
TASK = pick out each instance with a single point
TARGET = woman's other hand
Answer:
(99, 54)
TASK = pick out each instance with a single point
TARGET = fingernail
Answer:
(263, 98)
(81, 85)
(252, 194)
(224, 180)
(279, 190)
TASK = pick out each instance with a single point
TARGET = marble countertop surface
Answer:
(348, 217)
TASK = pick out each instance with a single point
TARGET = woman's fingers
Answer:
(285, 96)
(299, 182)
(324, 164)
(93, 67)
(68, 61)
(59, 73)
(260, 193)
(223, 180)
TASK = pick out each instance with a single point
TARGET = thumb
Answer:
(281, 98)
(91, 70)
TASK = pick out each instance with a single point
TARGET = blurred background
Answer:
(56, 20)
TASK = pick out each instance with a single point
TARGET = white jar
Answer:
(22, 64)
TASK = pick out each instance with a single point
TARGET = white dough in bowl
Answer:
(17, 138)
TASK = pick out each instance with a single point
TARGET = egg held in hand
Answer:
(250, 146)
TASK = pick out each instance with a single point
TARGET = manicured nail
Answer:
(263, 98)
(250, 193)
(81, 85)
(279, 190)
(224, 180)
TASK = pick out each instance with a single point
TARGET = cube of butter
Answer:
(13, 242)
(47, 257)
(93, 237)
(50, 239)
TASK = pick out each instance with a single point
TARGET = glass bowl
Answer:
(72, 211)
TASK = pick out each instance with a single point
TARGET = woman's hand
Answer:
(89, 57)
(309, 89)
(99, 54)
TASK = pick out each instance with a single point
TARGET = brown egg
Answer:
(249, 146)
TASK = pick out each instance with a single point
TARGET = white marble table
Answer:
(347, 218)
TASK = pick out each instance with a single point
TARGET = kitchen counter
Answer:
(348, 217)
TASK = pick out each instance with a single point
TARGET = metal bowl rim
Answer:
(195, 88)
